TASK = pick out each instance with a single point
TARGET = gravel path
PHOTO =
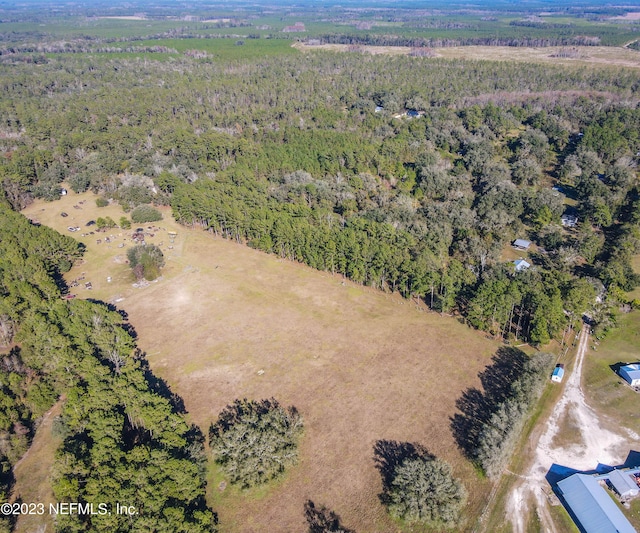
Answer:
(593, 444)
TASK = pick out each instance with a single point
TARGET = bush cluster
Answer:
(145, 213)
(146, 261)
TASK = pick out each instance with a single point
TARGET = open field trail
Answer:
(594, 441)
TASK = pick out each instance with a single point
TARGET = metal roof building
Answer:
(522, 244)
(623, 484)
(631, 373)
(521, 264)
(592, 507)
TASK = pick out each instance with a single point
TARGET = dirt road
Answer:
(592, 443)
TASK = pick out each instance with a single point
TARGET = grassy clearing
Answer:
(633, 513)
(606, 390)
(228, 322)
(562, 520)
(510, 254)
(101, 261)
(597, 56)
(603, 56)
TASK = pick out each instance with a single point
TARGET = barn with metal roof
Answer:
(592, 507)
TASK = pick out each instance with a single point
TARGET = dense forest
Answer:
(123, 439)
(315, 158)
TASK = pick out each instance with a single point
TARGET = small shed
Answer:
(623, 484)
(631, 373)
(521, 244)
(521, 265)
(558, 373)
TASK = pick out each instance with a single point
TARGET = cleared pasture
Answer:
(602, 56)
(228, 322)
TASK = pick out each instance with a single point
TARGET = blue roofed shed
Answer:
(592, 507)
(558, 373)
(521, 265)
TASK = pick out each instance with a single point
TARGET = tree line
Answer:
(491, 420)
(372, 39)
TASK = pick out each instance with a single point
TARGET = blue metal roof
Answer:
(592, 506)
(623, 483)
(558, 371)
(630, 371)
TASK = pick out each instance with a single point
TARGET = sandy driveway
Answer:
(593, 444)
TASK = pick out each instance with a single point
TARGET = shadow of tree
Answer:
(477, 406)
(323, 520)
(389, 454)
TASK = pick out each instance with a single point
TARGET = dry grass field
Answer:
(586, 55)
(227, 322)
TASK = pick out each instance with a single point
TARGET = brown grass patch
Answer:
(359, 364)
(568, 431)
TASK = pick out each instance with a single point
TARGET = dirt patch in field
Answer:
(592, 55)
(568, 430)
(228, 322)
